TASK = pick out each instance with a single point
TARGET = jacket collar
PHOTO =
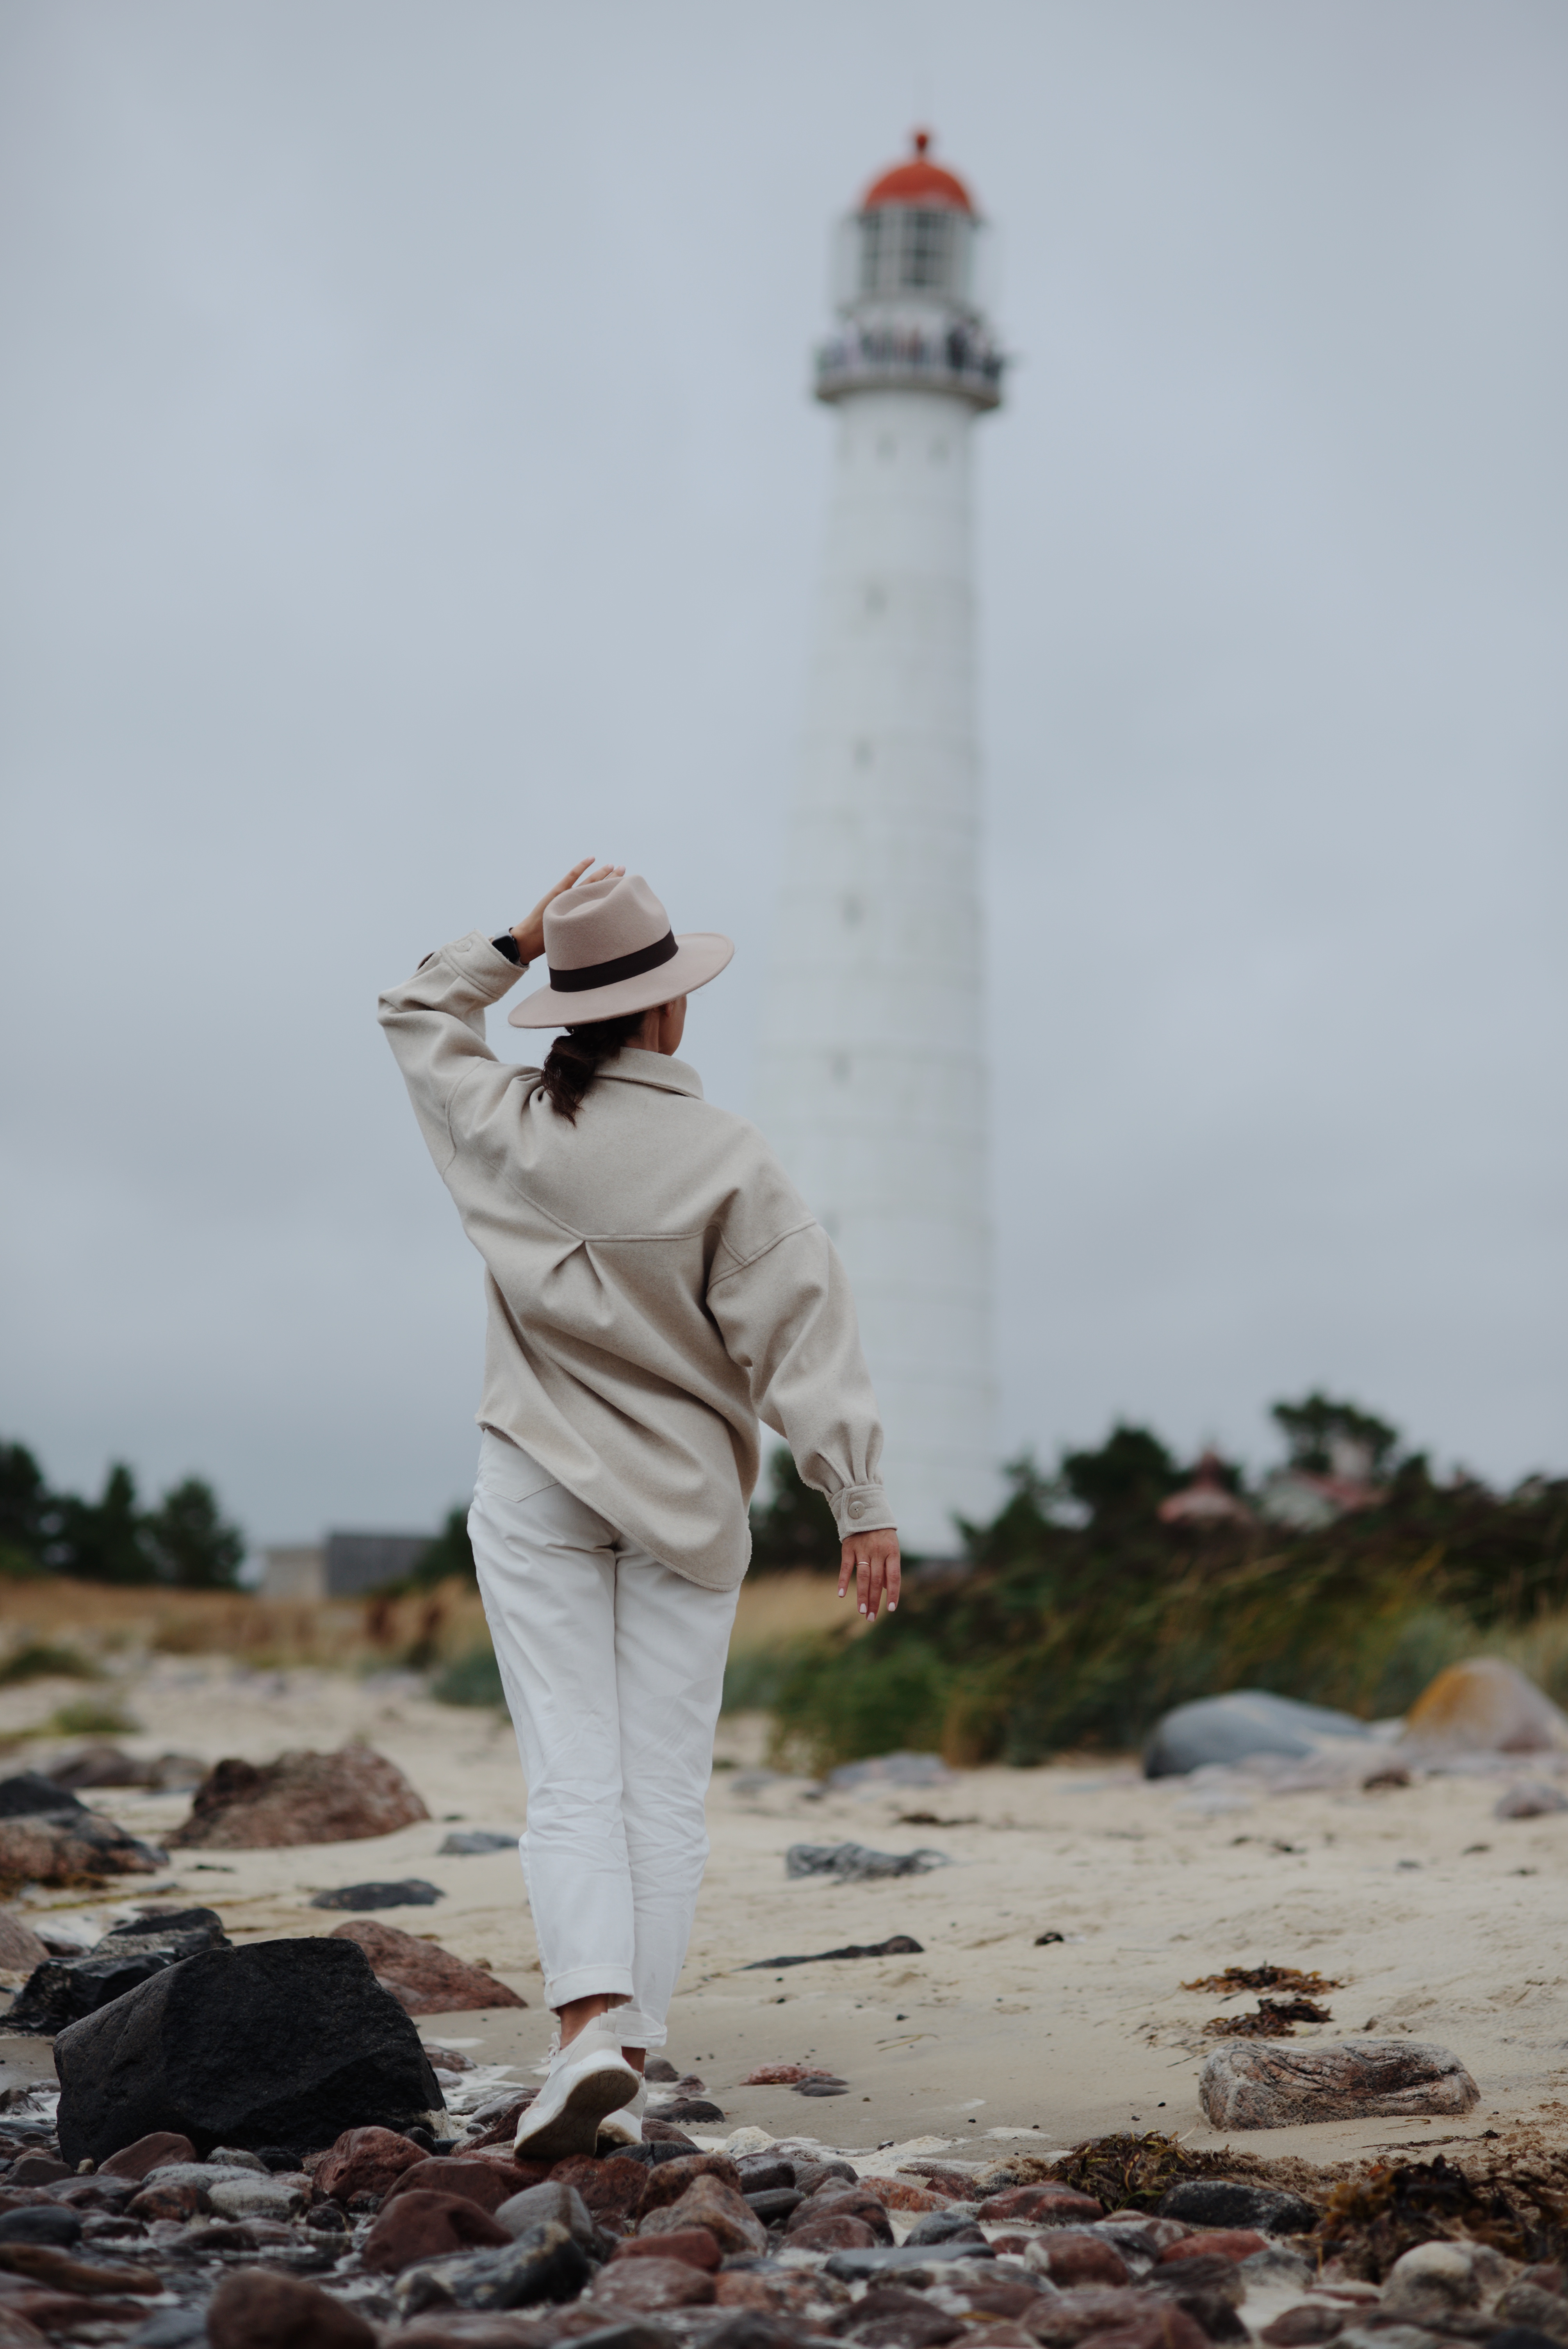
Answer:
(634, 1067)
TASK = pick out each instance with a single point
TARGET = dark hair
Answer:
(574, 1059)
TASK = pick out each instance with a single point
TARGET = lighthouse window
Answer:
(927, 245)
(871, 241)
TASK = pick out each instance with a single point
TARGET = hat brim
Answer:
(699, 955)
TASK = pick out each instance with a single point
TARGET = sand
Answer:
(1439, 1921)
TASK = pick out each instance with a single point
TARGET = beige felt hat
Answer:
(611, 949)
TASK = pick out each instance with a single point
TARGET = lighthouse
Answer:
(873, 1080)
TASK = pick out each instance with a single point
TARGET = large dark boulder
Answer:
(61, 1991)
(29, 1791)
(284, 2044)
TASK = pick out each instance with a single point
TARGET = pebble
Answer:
(1264, 2084)
(365, 2161)
(427, 2226)
(156, 2151)
(708, 2202)
(1222, 2202)
(652, 2283)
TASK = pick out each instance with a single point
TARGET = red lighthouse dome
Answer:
(919, 181)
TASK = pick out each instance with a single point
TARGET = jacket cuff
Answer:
(481, 961)
(861, 1509)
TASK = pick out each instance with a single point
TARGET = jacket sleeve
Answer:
(435, 1023)
(787, 1321)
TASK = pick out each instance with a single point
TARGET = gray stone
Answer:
(244, 2196)
(552, 2204)
(1248, 1721)
(853, 1863)
(172, 2328)
(544, 2263)
(1526, 2304)
(235, 2157)
(42, 2223)
(469, 1841)
(1225, 2202)
(944, 2227)
(29, 1791)
(1262, 2084)
(62, 1989)
(1531, 1800)
(410, 1892)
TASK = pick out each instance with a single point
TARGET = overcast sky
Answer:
(410, 485)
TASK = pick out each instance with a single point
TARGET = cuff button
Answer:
(857, 1508)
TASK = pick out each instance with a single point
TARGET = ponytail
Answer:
(575, 1058)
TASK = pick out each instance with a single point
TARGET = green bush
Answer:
(473, 1679)
(86, 1719)
(39, 1661)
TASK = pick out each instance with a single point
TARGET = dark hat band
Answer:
(605, 974)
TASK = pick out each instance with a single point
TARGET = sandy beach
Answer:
(1436, 1919)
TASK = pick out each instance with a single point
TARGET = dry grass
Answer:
(781, 1609)
(103, 1624)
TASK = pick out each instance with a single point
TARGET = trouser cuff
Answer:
(588, 1981)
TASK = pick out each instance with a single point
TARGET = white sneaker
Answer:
(624, 2125)
(587, 2079)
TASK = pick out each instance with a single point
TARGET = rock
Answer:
(1434, 2277)
(542, 2264)
(1530, 1800)
(652, 2283)
(833, 2231)
(555, 2203)
(1522, 2336)
(422, 1976)
(62, 2270)
(254, 2198)
(889, 2316)
(406, 1892)
(1041, 2206)
(1234, 2243)
(899, 1945)
(301, 1797)
(670, 2179)
(1306, 2326)
(775, 2205)
(1220, 2202)
(29, 1793)
(173, 2328)
(279, 2043)
(763, 2173)
(840, 2202)
(851, 1863)
(1263, 2084)
(899, 2194)
(61, 1991)
(709, 2202)
(483, 2182)
(1484, 1706)
(1524, 2304)
(38, 2170)
(74, 1849)
(904, 2260)
(1071, 2258)
(696, 2245)
(423, 2225)
(1247, 1721)
(690, 2108)
(20, 1948)
(43, 2222)
(470, 1841)
(944, 2227)
(1121, 2320)
(612, 2191)
(365, 2161)
(174, 2202)
(256, 2309)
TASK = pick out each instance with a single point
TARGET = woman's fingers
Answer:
(873, 1561)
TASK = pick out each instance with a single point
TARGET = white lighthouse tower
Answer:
(873, 1077)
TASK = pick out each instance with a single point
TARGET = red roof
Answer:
(919, 181)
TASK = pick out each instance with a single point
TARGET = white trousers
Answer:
(613, 1668)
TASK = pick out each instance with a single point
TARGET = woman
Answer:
(655, 1285)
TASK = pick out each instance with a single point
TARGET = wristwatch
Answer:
(507, 944)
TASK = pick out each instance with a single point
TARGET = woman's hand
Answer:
(530, 932)
(872, 1560)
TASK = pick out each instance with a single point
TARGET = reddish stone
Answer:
(147, 2152)
(301, 1797)
(1116, 2320)
(500, 2127)
(1068, 2259)
(423, 2225)
(956, 2182)
(890, 2318)
(165, 2203)
(445, 2173)
(422, 1976)
(903, 2194)
(840, 2202)
(650, 2283)
(39, 2169)
(1012, 2297)
(670, 2181)
(833, 2231)
(1306, 2326)
(1002, 2335)
(1227, 2242)
(709, 2202)
(696, 2245)
(59, 2270)
(612, 2189)
(465, 2329)
(255, 2308)
(1042, 2206)
(363, 2161)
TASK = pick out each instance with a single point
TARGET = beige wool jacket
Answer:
(654, 1283)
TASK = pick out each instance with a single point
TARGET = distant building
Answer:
(1207, 1500)
(346, 1566)
(1306, 1502)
